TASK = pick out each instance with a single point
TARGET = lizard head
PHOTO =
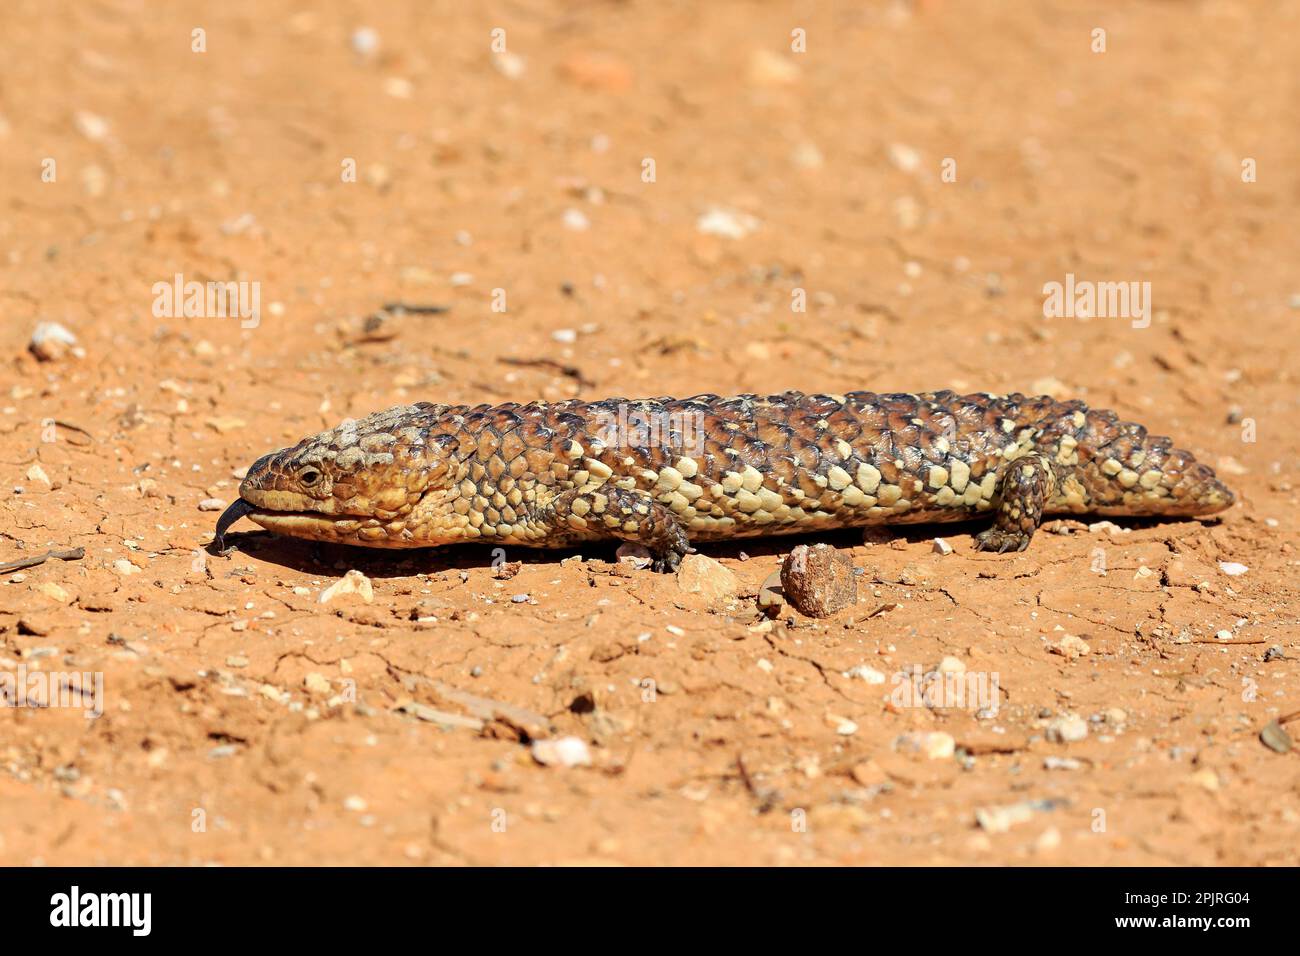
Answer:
(360, 483)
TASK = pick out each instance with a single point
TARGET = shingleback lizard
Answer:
(671, 472)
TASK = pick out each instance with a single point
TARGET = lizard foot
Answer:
(996, 539)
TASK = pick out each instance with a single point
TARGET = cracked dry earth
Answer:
(246, 722)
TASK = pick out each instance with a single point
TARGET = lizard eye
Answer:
(309, 477)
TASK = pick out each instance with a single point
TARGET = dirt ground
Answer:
(918, 171)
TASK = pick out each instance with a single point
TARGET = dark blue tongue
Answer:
(237, 510)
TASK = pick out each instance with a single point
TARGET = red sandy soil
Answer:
(245, 722)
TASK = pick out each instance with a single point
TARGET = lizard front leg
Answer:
(1022, 494)
(624, 515)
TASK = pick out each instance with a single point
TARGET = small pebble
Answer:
(951, 665)
(1001, 819)
(510, 65)
(942, 547)
(212, 504)
(702, 575)
(634, 555)
(55, 592)
(1109, 527)
(770, 596)
(365, 41)
(1070, 647)
(1061, 763)
(819, 581)
(935, 745)
(868, 674)
(90, 125)
(726, 223)
(904, 157)
(354, 582)
(576, 220)
(315, 683)
(1275, 738)
(1232, 568)
(561, 752)
(51, 341)
(506, 570)
(1067, 729)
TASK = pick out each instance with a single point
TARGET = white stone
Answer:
(727, 223)
(1067, 729)
(51, 341)
(354, 582)
(561, 752)
(365, 41)
(868, 674)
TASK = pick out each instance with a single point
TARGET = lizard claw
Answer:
(995, 539)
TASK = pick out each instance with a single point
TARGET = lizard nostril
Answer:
(256, 472)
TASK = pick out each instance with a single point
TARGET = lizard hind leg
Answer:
(624, 514)
(1022, 494)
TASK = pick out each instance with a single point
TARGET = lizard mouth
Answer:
(315, 525)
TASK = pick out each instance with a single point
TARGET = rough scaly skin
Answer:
(667, 472)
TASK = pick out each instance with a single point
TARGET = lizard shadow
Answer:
(925, 532)
(323, 558)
